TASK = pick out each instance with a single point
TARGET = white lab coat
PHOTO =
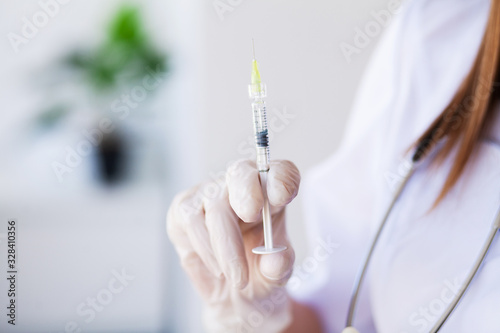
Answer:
(422, 256)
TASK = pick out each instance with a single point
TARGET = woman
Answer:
(429, 92)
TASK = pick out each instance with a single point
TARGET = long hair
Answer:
(466, 117)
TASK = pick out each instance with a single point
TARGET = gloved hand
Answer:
(214, 228)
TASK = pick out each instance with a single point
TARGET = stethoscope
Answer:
(363, 268)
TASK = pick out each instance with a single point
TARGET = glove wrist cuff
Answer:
(269, 315)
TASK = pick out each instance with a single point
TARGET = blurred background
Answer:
(109, 108)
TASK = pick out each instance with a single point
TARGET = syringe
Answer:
(257, 92)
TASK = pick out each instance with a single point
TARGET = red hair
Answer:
(465, 118)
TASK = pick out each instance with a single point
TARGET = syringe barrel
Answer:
(260, 126)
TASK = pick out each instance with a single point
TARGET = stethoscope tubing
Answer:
(472, 273)
(358, 281)
(362, 272)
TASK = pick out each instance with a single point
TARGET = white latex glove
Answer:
(214, 228)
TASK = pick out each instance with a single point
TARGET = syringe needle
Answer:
(253, 49)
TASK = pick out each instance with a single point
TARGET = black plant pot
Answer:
(111, 158)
